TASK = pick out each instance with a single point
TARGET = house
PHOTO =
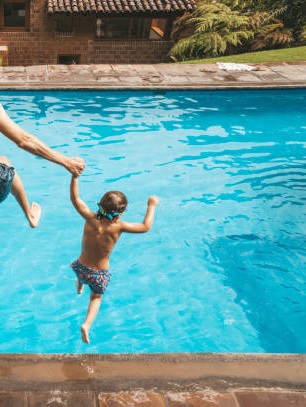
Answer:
(38, 32)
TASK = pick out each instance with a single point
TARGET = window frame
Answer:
(76, 57)
(27, 15)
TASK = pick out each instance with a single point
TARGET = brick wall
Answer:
(40, 48)
(129, 51)
(41, 45)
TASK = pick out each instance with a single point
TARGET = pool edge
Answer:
(164, 372)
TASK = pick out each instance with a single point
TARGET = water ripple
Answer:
(223, 267)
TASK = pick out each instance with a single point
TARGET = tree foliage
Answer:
(212, 29)
(293, 17)
(225, 27)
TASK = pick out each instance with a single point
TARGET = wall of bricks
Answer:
(129, 52)
(42, 45)
(40, 48)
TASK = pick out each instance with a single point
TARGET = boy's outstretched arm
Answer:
(147, 222)
(77, 202)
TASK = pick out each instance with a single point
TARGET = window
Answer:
(64, 24)
(68, 59)
(14, 15)
(122, 27)
(158, 28)
(140, 27)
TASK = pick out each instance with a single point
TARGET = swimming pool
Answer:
(223, 268)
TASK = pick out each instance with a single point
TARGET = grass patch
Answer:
(296, 54)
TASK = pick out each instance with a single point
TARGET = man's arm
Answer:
(147, 222)
(34, 146)
(77, 202)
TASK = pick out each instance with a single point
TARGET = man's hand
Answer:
(75, 165)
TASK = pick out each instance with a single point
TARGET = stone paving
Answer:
(163, 76)
(139, 398)
(199, 380)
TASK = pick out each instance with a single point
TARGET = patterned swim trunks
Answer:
(97, 280)
(6, 179)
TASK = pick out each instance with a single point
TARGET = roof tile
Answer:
(120, 7)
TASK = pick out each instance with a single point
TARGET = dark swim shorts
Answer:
(6, 179)
(97, 280)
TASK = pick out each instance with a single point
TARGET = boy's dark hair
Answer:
(114, 202)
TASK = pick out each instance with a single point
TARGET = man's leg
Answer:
(92, 311)
(32, 212)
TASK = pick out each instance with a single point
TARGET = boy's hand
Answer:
(153, 200)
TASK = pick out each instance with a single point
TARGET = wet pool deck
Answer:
(169, 380)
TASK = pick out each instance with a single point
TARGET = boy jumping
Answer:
(101, 232)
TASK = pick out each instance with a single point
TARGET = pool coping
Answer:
(154, 77)
(157, 380)
(112, 372)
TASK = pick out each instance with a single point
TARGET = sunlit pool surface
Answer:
(223, 268)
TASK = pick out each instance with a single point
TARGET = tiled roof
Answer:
(120, 6)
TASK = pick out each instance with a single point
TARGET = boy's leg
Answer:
(32, 212)
(92, 311)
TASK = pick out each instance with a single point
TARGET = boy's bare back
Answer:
(99, 239)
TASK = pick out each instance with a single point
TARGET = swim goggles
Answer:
(102, 213)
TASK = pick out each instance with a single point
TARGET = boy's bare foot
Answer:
(85, 336)
(79, 287)
(34, 215)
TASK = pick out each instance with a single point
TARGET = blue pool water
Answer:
(223, 268)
